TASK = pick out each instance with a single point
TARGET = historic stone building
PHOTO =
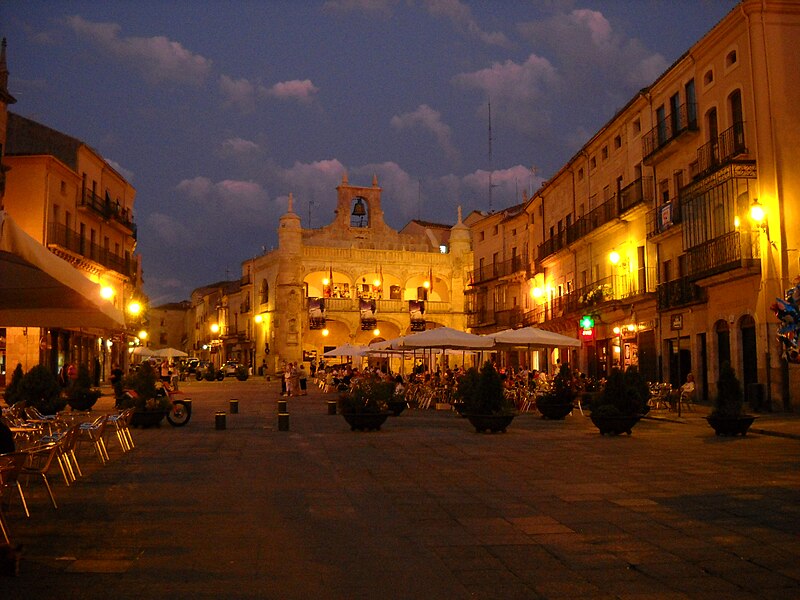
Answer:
(354, 280)
(650, 230)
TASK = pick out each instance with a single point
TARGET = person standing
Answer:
(303, 380)
(116, 380)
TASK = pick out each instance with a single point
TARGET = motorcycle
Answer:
(180, 412)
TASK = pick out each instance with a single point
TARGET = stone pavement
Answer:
(425, 508)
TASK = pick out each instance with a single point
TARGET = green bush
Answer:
(627, 392)
(149, 393)
(482, 392)
(81, 395)
(562, 392)
(11, 395)
(39, 388)
(242, 373)
(729, 393)
(369, 394)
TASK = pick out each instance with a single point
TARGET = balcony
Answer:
(663, 218)
(731, 251)
(508, 318)
(59, 235)
(719, 152)
(601, 215)
(681, 292)
(499, 269)
(636, 193)
(108, 210)
(668, 129)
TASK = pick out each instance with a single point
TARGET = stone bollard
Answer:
(234, 406)
(331, 407)
(219, 420)
(283, 421)
(282, 406)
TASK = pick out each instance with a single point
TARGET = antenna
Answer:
(310, 204)
(491, 161)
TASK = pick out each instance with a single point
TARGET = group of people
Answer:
(295, 380)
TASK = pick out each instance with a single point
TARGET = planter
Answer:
(490, 423)
(731, 425)
(556, 412)
(147, 418)
(614, 425)
(366, 421)
(397, 407)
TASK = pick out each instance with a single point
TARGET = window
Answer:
(708, 78)
(513, 232)
(617, 142)
(481, 236)
(661, 120)
(604, 152)
(533, 218)
(735, 105)
(663, 190)
(731, 58)
(63, 188)
(592, 162)
(637, 126)
(675, 113)
(494, 230)
(580, 174)
(264, 291)
(442, 248)
(691, 104)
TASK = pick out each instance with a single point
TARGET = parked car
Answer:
(231, 368)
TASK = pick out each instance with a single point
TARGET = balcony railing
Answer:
(601, 215)
(637, 192)
(733, 250)
(68, 239)
(669, 128)
(680, 292)
(499, 269)
(663, 217)
(508, 318)
(108, 210)
(719, 151)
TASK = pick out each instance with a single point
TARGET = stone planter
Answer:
(490, 423)
(731, 426)
(614, 425)
(556, 412)
(366, 421)
(397, 407)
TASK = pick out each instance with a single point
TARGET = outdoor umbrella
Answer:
(39, 289)
(446, 337)
(533, 337)
(169, 353)
(142, 351)
(346, 350)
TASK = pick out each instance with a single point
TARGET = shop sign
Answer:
(676, 322)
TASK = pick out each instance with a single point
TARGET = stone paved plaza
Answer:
(425, 508)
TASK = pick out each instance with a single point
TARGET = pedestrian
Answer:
(72, 374)
(116, 380)
(165, 375)
(295, 380)
(303, 380)
(97, 369)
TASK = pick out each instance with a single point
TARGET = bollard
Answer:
(331, 407)
(282, 406)
(234, 406)
(283, 421)
(219, 420)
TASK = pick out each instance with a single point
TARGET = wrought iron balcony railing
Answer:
(679, 292)
(719, 151)
(60, 235)
(669, 128)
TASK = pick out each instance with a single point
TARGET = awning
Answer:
(39, 289)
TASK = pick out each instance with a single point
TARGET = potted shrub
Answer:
(81, 395)
(727, 417)
(146, 394)
(39, 388)
(622, 402)
(365, 405)
(485, 403)
(559, 401)
(242, 373)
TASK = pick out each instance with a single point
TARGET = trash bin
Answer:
(756, 396)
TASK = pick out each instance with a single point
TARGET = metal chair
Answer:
(41, 459)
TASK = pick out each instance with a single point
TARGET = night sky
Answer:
(215, 111)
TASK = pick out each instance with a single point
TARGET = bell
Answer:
(358, 209)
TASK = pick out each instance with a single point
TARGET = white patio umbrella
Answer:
(169, 353)
(531, 337)
(346, 350)
(143, 351)
(446, 337)
(39, 289)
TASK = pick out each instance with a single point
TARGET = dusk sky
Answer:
(216, 111)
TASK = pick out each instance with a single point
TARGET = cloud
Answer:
(233, 200)
(382, 8)
(427, 118)
(237, 93)
(158, 59)
(461, 16)
(302, 91)
(518, 91)
(126, 173)
(237, 147)
(172, 231)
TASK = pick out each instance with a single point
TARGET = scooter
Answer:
(180, 412)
